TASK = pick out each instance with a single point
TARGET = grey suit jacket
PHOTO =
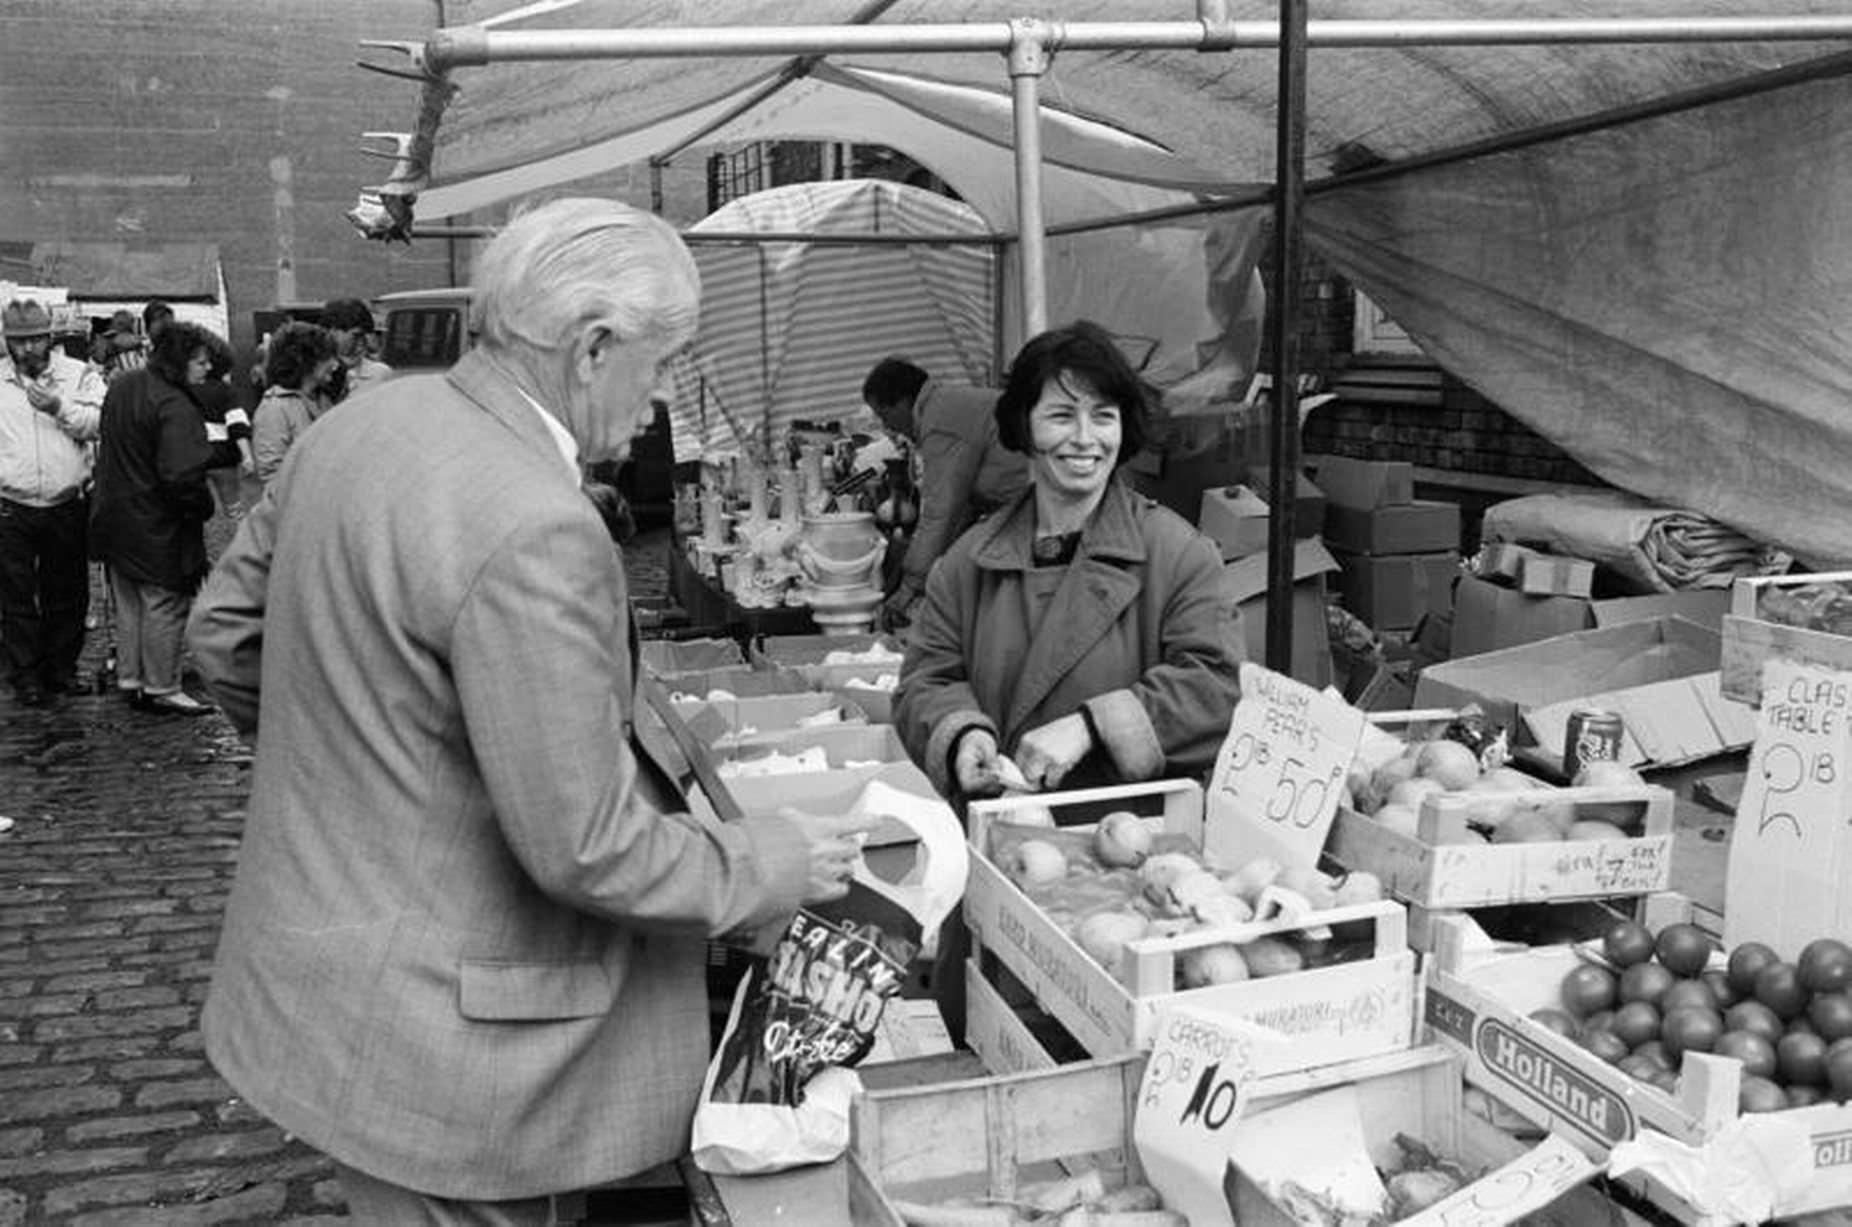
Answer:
(463, 951)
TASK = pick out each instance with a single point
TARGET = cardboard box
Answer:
(1308, 500)
(1488, 616)
(1704, 606)
(1393, 591)
(1750, 638)
(1660, 675)
(806, 656)
(1331, 1014)
(1419, 527)
(1236, 519)
(845, 746)
(1247, 580)
(739, 681)
(719, 724)
(1555, 575)
(663, 656)
(1501, 560)
(1364, 484)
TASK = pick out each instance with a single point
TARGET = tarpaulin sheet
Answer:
(1666, 300)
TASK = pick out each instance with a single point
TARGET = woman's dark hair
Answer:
(173, 347)
(296, 349)
(1085, 352)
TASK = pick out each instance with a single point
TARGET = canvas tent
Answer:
(1634, 245)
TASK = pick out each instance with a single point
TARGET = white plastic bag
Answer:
(778, 1089)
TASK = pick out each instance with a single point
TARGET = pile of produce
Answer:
(1127, 879)
(1083, 1200)
(1418, 1180)
(1507, 806)
(1642, 1001)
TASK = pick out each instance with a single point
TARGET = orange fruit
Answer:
(1758, 1094)
(1831, 1015)
(1556, 1020)
(1753, 1016)
(1800, 1059)
(1688, 993)
(1606, 1045)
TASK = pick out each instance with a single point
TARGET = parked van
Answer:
(430, 329)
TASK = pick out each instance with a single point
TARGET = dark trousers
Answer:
(44, 590)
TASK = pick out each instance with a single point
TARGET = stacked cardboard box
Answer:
(1399, 555)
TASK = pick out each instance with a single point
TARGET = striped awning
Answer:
(789, 329)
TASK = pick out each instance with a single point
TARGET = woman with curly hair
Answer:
(300, 360)
(148, 516)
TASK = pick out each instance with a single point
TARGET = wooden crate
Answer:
(988, 1136)
(1480, 1006)
(1332, 1013)
(1749, 640)
(1434, 870)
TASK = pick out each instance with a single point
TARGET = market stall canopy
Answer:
(1636, 247)
(789, 330)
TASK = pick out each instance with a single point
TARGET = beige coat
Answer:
(464, 949)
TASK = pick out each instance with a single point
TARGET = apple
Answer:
(1449, 763)
(1206, 965)
(1247, 882)
(1103, 935)
(1038, 862)
(1400, 819)
(1122, 840)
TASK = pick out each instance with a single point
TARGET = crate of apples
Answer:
(1642, 1001)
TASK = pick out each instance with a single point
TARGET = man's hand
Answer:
(976, 765)
(1048, 753)
(835, 849)
(44, 400)
(897, 610)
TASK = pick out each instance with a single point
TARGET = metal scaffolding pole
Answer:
(1028, 61)
(1288, 268)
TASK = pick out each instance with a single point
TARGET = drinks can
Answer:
(1593, 734)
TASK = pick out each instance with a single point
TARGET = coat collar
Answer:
(480, 379)
(1112, 535)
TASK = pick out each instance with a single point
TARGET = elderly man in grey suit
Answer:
(464, 954)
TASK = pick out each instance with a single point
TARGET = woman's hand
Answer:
(1048, 753)
(975, 764)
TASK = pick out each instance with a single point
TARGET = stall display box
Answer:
(845, 746)
(1481, 1005)
(1330, 1013)
(1435, 869)
(988, 1137)
(1807, 618)
(662, 656)
(1308, 500)
(738, 681)
(1246, 579)
(721, 723)
(805, 655)
(1660, 675)
(1365, 484)
(1235, 518)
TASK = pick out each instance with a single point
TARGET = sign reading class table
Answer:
(1280, 773)
(1791, 846)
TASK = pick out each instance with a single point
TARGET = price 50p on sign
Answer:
(1280, 773)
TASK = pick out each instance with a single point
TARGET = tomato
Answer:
(1636, 1066)
(1831, 1015)
(1627, 942)
(1718, 982)
(1839, 1069)
(1665, 1080)
(1656, 1052)
(1758, 1094)
(1825, 965)
(1747, 960)
(1778, 986)
(1692, 1029)
(1755, 1051)
(1683, 949)
(1753, 1016)
(1556, 1020)
(1607, 1045)
(1690, 993)
(1804, 1096)
(1800, 1059)
(1645, 982)
(1588, 988)
(1636, 1022)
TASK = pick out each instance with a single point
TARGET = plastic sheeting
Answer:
(1667, 301)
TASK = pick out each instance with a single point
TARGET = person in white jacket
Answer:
(49, 408)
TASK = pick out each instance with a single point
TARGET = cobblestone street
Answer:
(112, 880)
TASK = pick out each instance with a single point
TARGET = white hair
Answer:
(559, 265)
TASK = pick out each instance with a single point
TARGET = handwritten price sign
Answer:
(1792, 842)
(1193, 1095)
(1280, 773)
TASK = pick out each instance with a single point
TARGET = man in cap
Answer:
(50, 405)
(350, 322)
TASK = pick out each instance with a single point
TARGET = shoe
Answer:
(176, 703)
